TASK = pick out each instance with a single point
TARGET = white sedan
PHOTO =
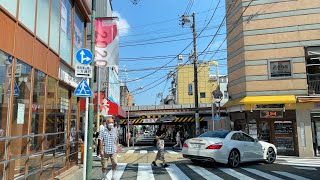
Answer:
(228, 147)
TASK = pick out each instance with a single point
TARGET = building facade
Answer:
(273, 68)
(39, 122)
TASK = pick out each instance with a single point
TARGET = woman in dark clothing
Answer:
(160, 135)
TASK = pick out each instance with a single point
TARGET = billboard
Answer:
(106, 42)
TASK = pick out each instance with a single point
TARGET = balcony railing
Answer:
(314, 87)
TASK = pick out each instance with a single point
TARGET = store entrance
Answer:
(278, 132)
(316, 136)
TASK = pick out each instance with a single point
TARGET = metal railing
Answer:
(314, 86)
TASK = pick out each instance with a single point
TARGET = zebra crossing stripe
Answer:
(299, 164)
(175, 173)
(172, 152)
(262, 174)
(130, 151)
(143, 152)
(289, 175)
(204, 173)
(145, 172)
(235, 174)
(120, 170)
(305, 168)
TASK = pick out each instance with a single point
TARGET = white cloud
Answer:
(123, 24)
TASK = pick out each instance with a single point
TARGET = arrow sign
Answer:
(84, 56)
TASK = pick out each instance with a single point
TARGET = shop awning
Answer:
(288, 99)
(307, 99)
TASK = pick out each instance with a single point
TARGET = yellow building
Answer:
(206, 83)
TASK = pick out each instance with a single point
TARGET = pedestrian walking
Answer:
(101, 128)
(178, 139)
(160, 135)
(108, 148)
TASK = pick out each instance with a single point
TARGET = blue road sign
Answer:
(84, 56)
(83, 89)
(16, 89)
(217, 117)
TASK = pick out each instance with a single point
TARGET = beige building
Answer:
(273, 66)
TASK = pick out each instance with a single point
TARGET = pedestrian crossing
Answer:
(153, 151)
(300, 163)
(183, 171)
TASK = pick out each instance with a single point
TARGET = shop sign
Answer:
(68, 77)
(269, 106)
(149, 120)
(18, 71)
(280, 68)
(271, 114)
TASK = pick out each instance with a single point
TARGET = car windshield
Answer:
(215, 134)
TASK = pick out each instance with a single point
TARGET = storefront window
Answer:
(5, 74)
(27, 12)
(54, 25)
(78, 34)
(17, 168)
(51, 112)
(38, 109)
(65, 31)
(73, 131)
(21, 103)
(11, 6)
(43, 20)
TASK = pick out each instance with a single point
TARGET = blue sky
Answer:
(144, 28)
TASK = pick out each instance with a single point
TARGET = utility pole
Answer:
(91, 114)
(185, 19)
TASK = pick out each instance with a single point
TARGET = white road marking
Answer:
(204, 173)
(172, 152)
(155, 151)
(175, 173)
(300, 164)
(262, 174)
(143, 152)
(235, 174)
(130, 151)
(120, 169)
(289, 175)
(305, 168)
(145, 172)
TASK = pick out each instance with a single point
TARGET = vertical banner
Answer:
(106, 42)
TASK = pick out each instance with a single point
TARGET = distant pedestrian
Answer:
(160, 135)
(108, 147)
(178, 140)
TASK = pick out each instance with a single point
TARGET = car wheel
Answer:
(234, 158)
(271, 155)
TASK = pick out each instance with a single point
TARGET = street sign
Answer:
(16, 89)
(216, 117)
(83, 89)
(217, 94)
(83, 71)
(18, 71)
(84, 56)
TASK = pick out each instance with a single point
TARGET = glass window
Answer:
(65, 31)
(202, 95)
(280, 68)
(38, 109)
(17, 168)
(73, 131)
(246, 137)
(11, 6)
(54, 25)
(43, 20)
(51, 112)
(27, 12)
(215, 134)
(78, 34)
(236, 137)
(21, 103)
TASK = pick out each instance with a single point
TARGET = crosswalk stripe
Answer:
(143, 152)
(172, 152)
(299, 164)
(145, 172)
(305, 168)
(262, 174)
(289, 175)
(175, 173)
(235, 174)
(155, 151)
(204, 173)
(130, 151)
(120, 169)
